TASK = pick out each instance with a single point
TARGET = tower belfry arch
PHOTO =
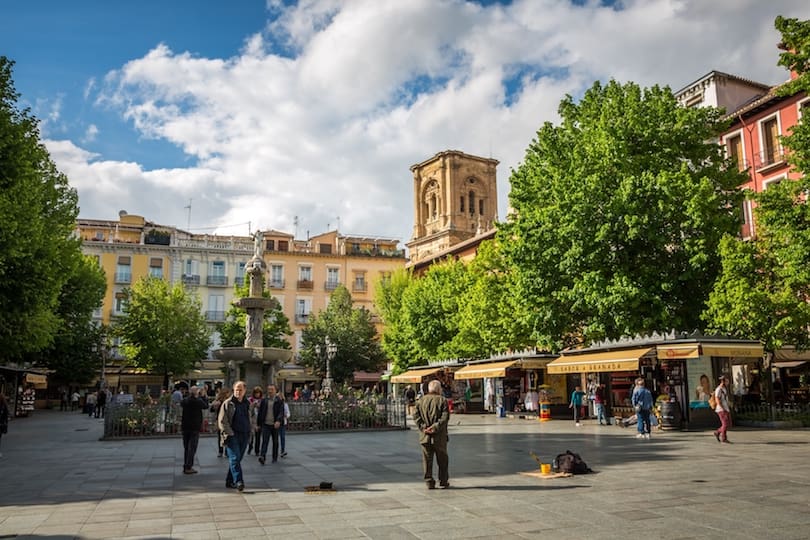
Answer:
(455, 198)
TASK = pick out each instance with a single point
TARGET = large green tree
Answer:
(397, 338)
(163, 329)
(74, 353)
(351, 329)
(763, 291)
(275, 326)
(38, 210)
(617, 216)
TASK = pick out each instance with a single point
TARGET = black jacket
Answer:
(193, 408)
(278, 411)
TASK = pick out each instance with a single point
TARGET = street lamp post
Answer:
(329, 350)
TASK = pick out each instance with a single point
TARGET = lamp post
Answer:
(329, 350)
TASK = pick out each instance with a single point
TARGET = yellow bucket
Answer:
(545, 468)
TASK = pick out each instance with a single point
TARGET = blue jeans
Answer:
(643, 421)
(600, 412)
(235, 448)
(282, 435)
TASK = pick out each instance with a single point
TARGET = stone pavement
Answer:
(57, 480)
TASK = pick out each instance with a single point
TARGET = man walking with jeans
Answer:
(643, 404)
(723, 410)
(235, 430)
(270, 419)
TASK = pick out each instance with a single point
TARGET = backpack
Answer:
(712, 402)
(571, 463)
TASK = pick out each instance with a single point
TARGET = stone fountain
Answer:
(259, 363)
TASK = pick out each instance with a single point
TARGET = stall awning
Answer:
(598, 362)
(479, 371)
(534, 363)
(414, 375)
(789, 354)
(677, 352)
(789, 365)
(754, 350)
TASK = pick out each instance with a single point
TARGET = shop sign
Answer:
(595, 367)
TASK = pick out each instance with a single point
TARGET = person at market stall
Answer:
(723, 410)
(578, 404)
(642, 401)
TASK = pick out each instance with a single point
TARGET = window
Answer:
(303, 307)
(283, 245)
(355, 247)
(472, 202)
(240, 274)
(120, 305)
(270, 245)
(218, 268)
(156, 267)
(332, 278)
(123, 270)
(359, 281)
(770, 141)
(277, 276)
(462, 204)
(305, 273)
(99, 235)
(216, 308)
(325, 249)
(481, 207)
(735, 151)
(191, 267)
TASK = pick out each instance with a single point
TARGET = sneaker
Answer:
(230, 485)
(261, 460)
(646, 435)
(727, 441)
(717, 436)
(578, 424)
(431, 484)
(189, 471)
(219, 455)
(639, 436)
(444, 485)
(284, 454)
(240, 486)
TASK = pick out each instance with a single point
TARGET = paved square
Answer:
(59, 481)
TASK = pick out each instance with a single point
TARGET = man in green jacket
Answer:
(431, 416)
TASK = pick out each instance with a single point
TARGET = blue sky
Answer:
(259, 112)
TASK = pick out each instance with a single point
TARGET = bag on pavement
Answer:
(571, 463)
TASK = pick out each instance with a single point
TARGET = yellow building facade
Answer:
(301, 274)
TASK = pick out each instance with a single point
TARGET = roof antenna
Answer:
(188, 227)
(295, 226)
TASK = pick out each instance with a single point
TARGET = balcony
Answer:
(191, 279)
(123, 277)
(302, 318)
(276, 284)
(215, 316)
(359, 286)
(766, 161)
(331, 285)
(217, 281)
(306, 284)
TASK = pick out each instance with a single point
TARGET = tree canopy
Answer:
(351, 330)
(275, 326)
(617, 216)
(163, 329)
(37, 248)
(764, 288)
(75, 352)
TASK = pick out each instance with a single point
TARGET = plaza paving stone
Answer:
(60, 481)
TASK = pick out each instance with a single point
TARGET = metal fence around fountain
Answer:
(132, 420)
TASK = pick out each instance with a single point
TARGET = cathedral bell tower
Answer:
(455, 199)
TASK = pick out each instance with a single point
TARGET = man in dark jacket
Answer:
(270, 419)
(235, 428)
(191, 424)
(431, 416)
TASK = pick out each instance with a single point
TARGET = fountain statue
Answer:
(254, 363)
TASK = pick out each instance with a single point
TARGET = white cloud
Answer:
(90, 133)
(364, 89)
